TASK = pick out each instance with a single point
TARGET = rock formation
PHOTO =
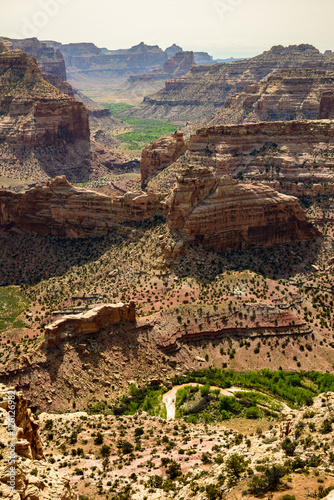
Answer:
(222, 214)
(198, 95)
(290, 94)
(33, 112)
(49, 60)
(43, 132)
(176, 66)
(294, 157)
(159, 154)
(327, 106)
(89, 322)
(60, 209)
(28, 484)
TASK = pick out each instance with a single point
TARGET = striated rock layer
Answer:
(160, 154)
(199, 94)
(32, 111)
(60, 209)
(89, 322)
(222, 214)
(290, 94)
(327, 106)
(295, 157)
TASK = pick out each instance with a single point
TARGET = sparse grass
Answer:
(12, 304)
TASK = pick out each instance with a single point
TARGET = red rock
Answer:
(327, 106)
(159, 154)
(63, 210)
(89, 322)
(222, 214)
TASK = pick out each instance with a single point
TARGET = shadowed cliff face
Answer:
(222, 214)
(327, 106)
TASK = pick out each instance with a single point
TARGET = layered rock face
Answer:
(62, 210)
(159, 154)
(222, 214)
(292, 94)
(326, 111)
(29, 455)
(196, 96)
(50, 61)
(176, 66)
(33, 112)
(295, 157)
(89, 322)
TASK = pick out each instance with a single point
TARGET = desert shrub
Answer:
(269, 480)
(252, 412)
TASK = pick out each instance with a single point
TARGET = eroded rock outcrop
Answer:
(159, 154)
(32, 111)
(89, 322)
(197, 95)
(49, 60)
(326, 111)
(290, 94)
(294, 157)
(222, 214)
(63, 210)
(34, 477)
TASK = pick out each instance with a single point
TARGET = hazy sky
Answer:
(223, 28)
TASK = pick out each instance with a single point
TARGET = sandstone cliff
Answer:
(198, 95)
(327, 106)
(295, 157)
(222, 214)
(66, 211)
(290, 94)
(92, 321)
(43, 132)
(29, 484)
(33, 112)
(159, 154)
(50, 61)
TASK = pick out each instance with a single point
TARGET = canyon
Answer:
(44, 132)
(197, 96)
(294, 157)
(290, 94)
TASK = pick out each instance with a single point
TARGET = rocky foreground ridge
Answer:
(199, 94)
(294, 157)
(34, 477)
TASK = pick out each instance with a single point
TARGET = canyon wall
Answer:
(32, 111)
(295, 157)
(327, 106)
(290, 94)
(160, 154)
(222, 214)
(197, 96)
(60, 209)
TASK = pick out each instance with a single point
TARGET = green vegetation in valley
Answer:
(144, 399)
(297, 388)
(12, 304)
(143, 130)
(197, 403)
